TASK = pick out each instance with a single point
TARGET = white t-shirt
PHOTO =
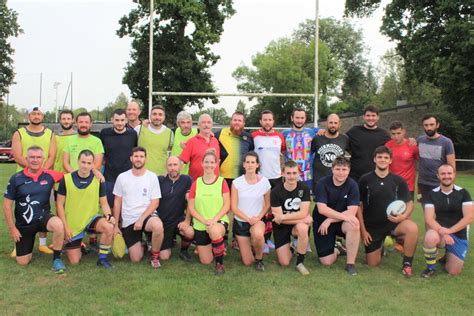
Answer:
(136, 193)
(250, 196)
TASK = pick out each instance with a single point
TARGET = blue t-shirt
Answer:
(81, 183)
(336, 197)
(173, 199)
(31, 194)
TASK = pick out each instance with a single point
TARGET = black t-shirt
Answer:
(173, 199)
(448, 207)
(336, 197)
(80, 183)
(290, 201)
(376, 194)
(117, 151)
(325, 151)
(362, 144)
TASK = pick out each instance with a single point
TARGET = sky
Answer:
(79, 36)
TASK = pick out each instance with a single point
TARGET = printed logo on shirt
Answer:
(43, 182)
(327, 153)
(292, 204)
(145, 191)
(300, 193)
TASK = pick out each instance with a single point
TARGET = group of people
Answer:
(149, 184)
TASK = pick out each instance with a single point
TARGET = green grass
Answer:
(190, 288)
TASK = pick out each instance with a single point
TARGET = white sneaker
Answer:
(302, 269)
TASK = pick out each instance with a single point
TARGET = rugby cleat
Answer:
(58, 266)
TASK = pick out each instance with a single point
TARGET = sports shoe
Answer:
(219, 269)
(341, 249)
(45, 249)
(184, 255)
(351, 269)
(155, 263)
(235, 245)
(58, 266)
(270, 244)
(266, 249)
(302, 269)
(13, 253)
(399, 248)
(428, 273)
(105, 263)
(259, 266)
(406, 271)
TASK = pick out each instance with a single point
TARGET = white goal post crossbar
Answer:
(314, 95)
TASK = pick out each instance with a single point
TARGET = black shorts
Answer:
(411, 196)
(132, 236)
(201, 237)
(89, 229)
(282, 234)
(378, 237)
(423, 190)
(170, 232)
(241, 229)
(28, 234)
(325, 243)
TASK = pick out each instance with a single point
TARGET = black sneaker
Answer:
(351, 269)
(341, 249)
(184, 255)
(219, 269)
(259, 266)
(428, 273)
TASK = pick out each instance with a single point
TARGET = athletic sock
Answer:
(92, 240)
(56, 254)
(43, 241)
(218, 249)
(155, 255)
(185, 243)
(103, 251)
(300, 258)
(407, 261)
(430, 257)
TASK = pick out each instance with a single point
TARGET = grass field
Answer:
(189, 288)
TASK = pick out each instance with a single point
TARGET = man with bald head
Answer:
(133, 115)
(328, 147)
(197, 146)
(174, 196)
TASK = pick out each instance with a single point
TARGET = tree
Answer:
(182, 55)
(10, 117)
(8, 28)
(434, 39)
(219, 116)
(287, 65)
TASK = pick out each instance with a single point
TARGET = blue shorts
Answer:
(459, 248)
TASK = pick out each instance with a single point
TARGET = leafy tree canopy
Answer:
(183, 34)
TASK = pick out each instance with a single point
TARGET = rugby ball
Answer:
(118, 246)
(397, 207)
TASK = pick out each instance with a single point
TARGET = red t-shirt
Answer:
(195, 149)
(404, 161)
(192, 191)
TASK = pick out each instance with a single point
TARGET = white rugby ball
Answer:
(397, 207)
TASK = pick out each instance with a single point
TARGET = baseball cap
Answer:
(35, 108)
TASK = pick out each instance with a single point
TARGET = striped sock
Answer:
(103, 251)
(430, 257)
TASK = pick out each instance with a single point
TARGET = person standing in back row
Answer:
(363, 140)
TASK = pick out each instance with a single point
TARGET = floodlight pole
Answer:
(150, 67)
(316, 61)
